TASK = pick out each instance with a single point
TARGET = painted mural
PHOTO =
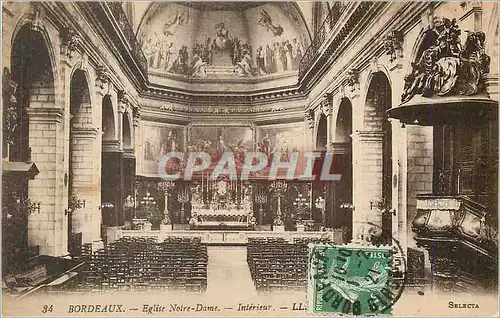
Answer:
(281, 139)
(265, 39)
(219, 139)
(158, 140)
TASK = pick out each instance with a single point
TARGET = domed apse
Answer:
(225, 39)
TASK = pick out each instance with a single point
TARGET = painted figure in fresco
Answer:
(148, 154)
(278, 57)
(244, 66)
(296, 53)
(207, 55)
(288, 55)
(198, 66)
(168, 56)
(180, 65)
(267, 22)
(235, 53)
(266, 144)
(155, 51)
(173, 145)
(222, 34)
(172, 27)
(221, 146)
(147, 49)
(269, 60)
(260, 61)
(283, 56)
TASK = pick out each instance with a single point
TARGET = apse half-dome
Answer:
(227, 40)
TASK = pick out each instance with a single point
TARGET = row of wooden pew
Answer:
(138, 263)
(276, 264)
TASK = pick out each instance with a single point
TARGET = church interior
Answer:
(401, 97)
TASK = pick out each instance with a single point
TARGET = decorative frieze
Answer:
(226, 109)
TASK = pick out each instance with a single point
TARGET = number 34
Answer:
(47, 308)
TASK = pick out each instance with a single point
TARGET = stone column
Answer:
(111, 182)
(85, 186)
(367, 172)
(128, 179)
(48, 229)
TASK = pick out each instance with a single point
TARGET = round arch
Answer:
(378, 99)
(126, 131)
(322, 133)
(25, 22)
(80, 100)
(32, 70)
(343, 123)
(375, 121)
(108, 119)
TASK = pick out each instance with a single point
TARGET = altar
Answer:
(220, 204)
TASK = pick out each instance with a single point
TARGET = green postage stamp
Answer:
(351, 280)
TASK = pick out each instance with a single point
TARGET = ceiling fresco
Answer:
(223, 40)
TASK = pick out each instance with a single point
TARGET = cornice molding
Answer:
(188, 98)
(223, 109)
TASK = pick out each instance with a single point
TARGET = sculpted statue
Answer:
(444, 67)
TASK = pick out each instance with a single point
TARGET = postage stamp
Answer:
(353, 280)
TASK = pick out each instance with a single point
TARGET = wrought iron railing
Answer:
(320, 37)
(119, 15)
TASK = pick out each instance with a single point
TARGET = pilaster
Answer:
(367, 187)
(48, 229)
(85, 185)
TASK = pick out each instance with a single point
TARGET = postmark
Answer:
(355, 280)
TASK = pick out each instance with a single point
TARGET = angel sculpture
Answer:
(267, 22)
(171, 28)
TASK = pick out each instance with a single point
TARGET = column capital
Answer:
(51, 115)
(128, 153)
(90, 133)
(364, 135)
(111, 146)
